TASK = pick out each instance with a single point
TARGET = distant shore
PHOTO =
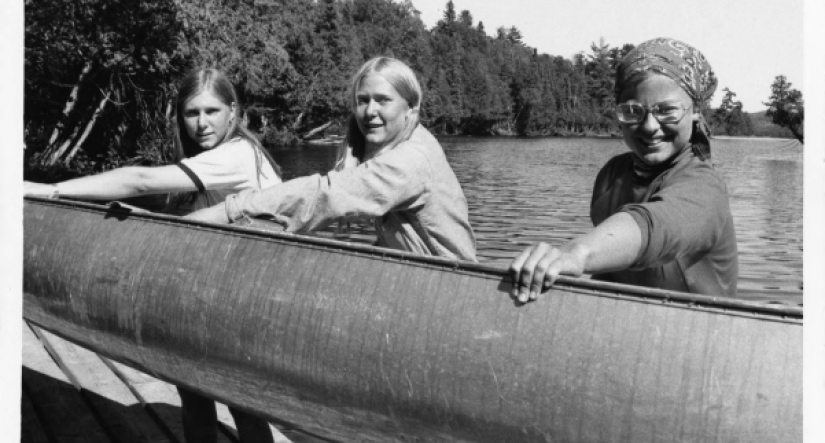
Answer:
(730, 137)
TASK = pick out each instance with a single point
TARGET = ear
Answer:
(233, 108)
(696, 116)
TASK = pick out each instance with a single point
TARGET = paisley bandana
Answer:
(682, 63)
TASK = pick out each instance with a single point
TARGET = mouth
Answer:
(372, 125)
(652, 142)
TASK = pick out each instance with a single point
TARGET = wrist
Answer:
(579, 253)
(233, 215)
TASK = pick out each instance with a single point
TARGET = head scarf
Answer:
(683, 64)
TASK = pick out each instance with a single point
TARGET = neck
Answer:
(647, 173)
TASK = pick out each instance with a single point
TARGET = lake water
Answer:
(523, 190)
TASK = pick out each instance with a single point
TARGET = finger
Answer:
(540, 272)
(526, 280)
(516, 268)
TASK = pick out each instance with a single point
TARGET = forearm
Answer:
(612, 246)
(109, 185)
(311, 203)
(302, 204)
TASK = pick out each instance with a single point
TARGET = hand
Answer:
(32, 189)
(538, 267)
(212, 214)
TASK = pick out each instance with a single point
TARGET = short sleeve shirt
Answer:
(230, 168)
(688, 236)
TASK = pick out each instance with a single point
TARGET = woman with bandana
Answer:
(661, 212)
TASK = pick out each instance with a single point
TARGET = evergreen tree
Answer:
(102, 72)
(786, 107)
(449, 13)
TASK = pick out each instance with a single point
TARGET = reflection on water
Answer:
(523, 190)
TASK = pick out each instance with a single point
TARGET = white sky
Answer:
(748, 42)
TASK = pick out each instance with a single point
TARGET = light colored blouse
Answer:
(409, 191)
(232, 167)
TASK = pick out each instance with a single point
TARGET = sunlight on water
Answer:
(523, 190)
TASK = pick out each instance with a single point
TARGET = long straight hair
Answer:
(215, 82)
(353, 149)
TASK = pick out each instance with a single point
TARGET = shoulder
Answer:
(421, 148)
(227, 148)
(696, 173)
(422, 143)
(697, 188)
(235, 144)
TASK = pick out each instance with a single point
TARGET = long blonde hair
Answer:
(215, 82)
(353, 149)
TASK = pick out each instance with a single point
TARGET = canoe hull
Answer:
(351, 342)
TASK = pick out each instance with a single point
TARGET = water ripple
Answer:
(525, 190)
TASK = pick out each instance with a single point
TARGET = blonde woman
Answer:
(391, 170)
(216, 157)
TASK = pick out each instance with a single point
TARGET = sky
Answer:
(747, 42)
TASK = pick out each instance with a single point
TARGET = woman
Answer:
(216, 157)
(661, 211)
(391, 169)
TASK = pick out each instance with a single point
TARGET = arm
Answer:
(611, 246)
(684, 220)
(396, 180)
(118, 183)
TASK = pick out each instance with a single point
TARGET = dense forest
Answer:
(100, 74)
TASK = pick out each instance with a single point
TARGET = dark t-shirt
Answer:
(688, 237)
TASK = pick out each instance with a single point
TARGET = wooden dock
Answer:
(71, 394)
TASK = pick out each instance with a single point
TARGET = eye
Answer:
(632, 110)
(668, 109)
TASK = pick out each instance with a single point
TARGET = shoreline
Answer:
(742, 137)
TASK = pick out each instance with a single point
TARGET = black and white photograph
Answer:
(275, 221)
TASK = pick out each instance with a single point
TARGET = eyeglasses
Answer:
(665, 112)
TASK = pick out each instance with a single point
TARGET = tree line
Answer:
(100, 74)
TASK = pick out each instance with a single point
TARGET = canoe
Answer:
(352, 342)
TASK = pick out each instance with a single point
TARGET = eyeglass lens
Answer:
(663, 112)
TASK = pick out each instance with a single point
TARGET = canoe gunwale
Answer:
(591, 287)
(419, 348)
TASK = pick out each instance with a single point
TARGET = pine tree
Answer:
(786, 107)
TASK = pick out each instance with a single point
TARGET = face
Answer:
(380, 111)
(207, 119)
(655, 142)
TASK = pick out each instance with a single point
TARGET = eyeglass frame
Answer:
(650, 110)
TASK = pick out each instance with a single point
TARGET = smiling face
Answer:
(380, 111)
(207, 119)
(655, 142)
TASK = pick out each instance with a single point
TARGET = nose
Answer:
(649, 123)
(201, 120)
(372, 107)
